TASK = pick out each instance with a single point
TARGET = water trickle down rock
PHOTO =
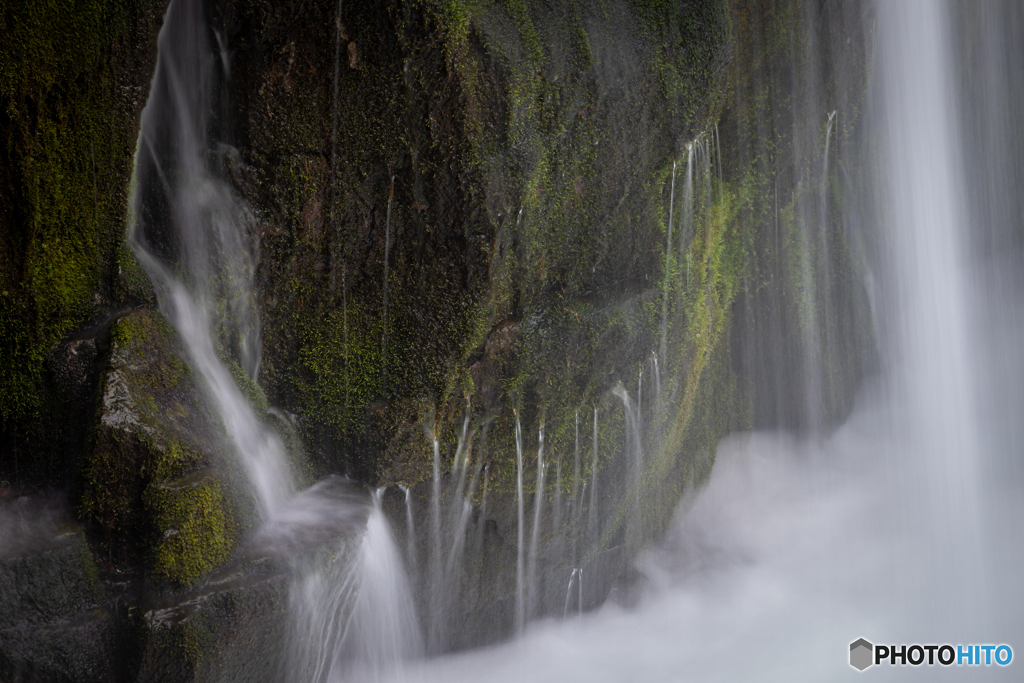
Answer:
(152, 480)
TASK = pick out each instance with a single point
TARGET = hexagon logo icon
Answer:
(861, 654)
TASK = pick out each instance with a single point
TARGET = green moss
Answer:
(148, 481)
(66, 155)
(528, 32)
(515, 154)
(251, 390)
(197, 532)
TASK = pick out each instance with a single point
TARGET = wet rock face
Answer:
(54, 620)
(503, 166)
(432, 177)
(231, 628)
(61, 619)
(68, 138)
(151, 480)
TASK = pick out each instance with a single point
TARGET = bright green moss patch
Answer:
(197, 532)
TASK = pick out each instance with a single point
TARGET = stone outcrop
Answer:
(156, 480)
(55, 620)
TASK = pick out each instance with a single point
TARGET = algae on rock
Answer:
(73, 81)
(155, 480)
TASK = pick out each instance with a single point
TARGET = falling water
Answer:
(634, 453)
(687, 231)
(483, 511)
(538, 507)
(758, 561)
(351, 615)
(828, 141)
(576, 577)
(902, 524)
(659, 398)
(577, 508)
(436, 599)
(592, 520)
(203, 263)
(460, 462)
(663, 348)
(358, 620)
(824, 225)
(697, 195)
(410, 529)
(639, 401)
(520, 569)
(925, 203)
(556, 508)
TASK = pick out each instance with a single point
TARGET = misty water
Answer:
(901, 525)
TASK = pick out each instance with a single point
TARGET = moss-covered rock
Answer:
(73, 81)
(803, 333)
(154, 481)
(230, 629)
(471, 201)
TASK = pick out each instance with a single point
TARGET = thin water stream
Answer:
(901, 526)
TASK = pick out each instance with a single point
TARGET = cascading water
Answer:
(593, 519)
(663, 348)
(520, 536)
(757, 560)
(356, 619)
(896, 526)
(197, 240)
(538, 509)
(410, 529)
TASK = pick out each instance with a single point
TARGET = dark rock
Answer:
(54, 619)
(229, 628)
(154, 481)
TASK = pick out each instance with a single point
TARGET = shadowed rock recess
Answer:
(469, 217)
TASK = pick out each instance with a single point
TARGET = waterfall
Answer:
(575, 577)
(593, 520)
(197, 241)
(434, 579)
(410, 529)
(356, 621)
(926, 210)
(538, 507)
(663, 348)
(483, 512)
(520, 569)
(634, 453)
(687, 232)
(659, 399)
(576, 506)
(353, 608)
(558, 542)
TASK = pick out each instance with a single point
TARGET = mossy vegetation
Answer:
(508, 158)
(73, 77)
(198, 533)
(148, 481)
